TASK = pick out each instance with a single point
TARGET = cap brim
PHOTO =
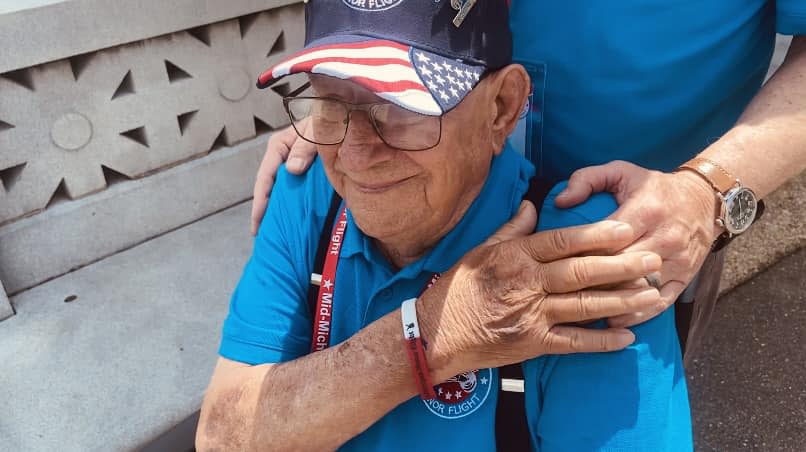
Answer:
(415, 79)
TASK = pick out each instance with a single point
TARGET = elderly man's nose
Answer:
(360, 129)
(362, 147)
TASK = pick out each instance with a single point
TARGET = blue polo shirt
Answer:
(653, 82)
(633, 398)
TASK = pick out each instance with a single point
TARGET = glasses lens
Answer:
(404, 129)
(328, 119)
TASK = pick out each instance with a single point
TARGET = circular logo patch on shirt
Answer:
(372, 5)
(461, 395)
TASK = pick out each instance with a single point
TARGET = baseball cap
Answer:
(423, 55)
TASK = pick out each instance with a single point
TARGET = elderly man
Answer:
(655, 84)
(411, 109)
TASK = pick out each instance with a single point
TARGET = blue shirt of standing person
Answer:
(652, 82)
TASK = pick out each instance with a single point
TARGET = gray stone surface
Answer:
(74, 234)
(76, 27)
(6, 310)
(748, 384)
(69, 126)
(131, 355)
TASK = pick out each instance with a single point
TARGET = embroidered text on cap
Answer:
(372, 5)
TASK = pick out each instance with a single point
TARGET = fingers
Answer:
(556, 244)
(586, 305)
(301, 155)
(593, 179)
(259, 204)
(523, 223)
(570, 275)
(283, 144)
(668, 294)
(638, 283)
(563, 340)
(276, 151)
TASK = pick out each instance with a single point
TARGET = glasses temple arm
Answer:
(299, 90)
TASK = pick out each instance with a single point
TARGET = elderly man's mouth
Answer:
(376, 187)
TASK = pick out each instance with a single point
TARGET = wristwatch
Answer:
(739, 207)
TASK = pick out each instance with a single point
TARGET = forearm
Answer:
(768, 144)
(317, 402)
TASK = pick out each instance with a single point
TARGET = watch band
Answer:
(719, 178)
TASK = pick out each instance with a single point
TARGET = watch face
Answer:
(740, 210)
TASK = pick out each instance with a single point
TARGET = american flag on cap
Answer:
(415, 79)
(408, 52)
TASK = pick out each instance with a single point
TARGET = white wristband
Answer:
(408, 314)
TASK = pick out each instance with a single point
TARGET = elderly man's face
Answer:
(395, 194)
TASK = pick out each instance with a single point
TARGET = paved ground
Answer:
(748, 385)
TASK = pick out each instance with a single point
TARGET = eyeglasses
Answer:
(397, 127)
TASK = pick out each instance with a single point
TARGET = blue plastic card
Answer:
(527, 138)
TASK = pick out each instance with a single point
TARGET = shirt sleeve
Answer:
(268, 319)
(634, 399)
(790, 17)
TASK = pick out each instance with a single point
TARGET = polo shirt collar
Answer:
(498, 200)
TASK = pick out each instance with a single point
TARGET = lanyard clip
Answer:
(512, 385)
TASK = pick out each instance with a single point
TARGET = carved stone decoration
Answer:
(6, 310)
(69, 127)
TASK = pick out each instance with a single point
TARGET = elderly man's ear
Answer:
(509, 87)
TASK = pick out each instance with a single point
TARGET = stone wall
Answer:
(120, 121)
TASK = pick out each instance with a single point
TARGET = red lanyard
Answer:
(323, 316)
